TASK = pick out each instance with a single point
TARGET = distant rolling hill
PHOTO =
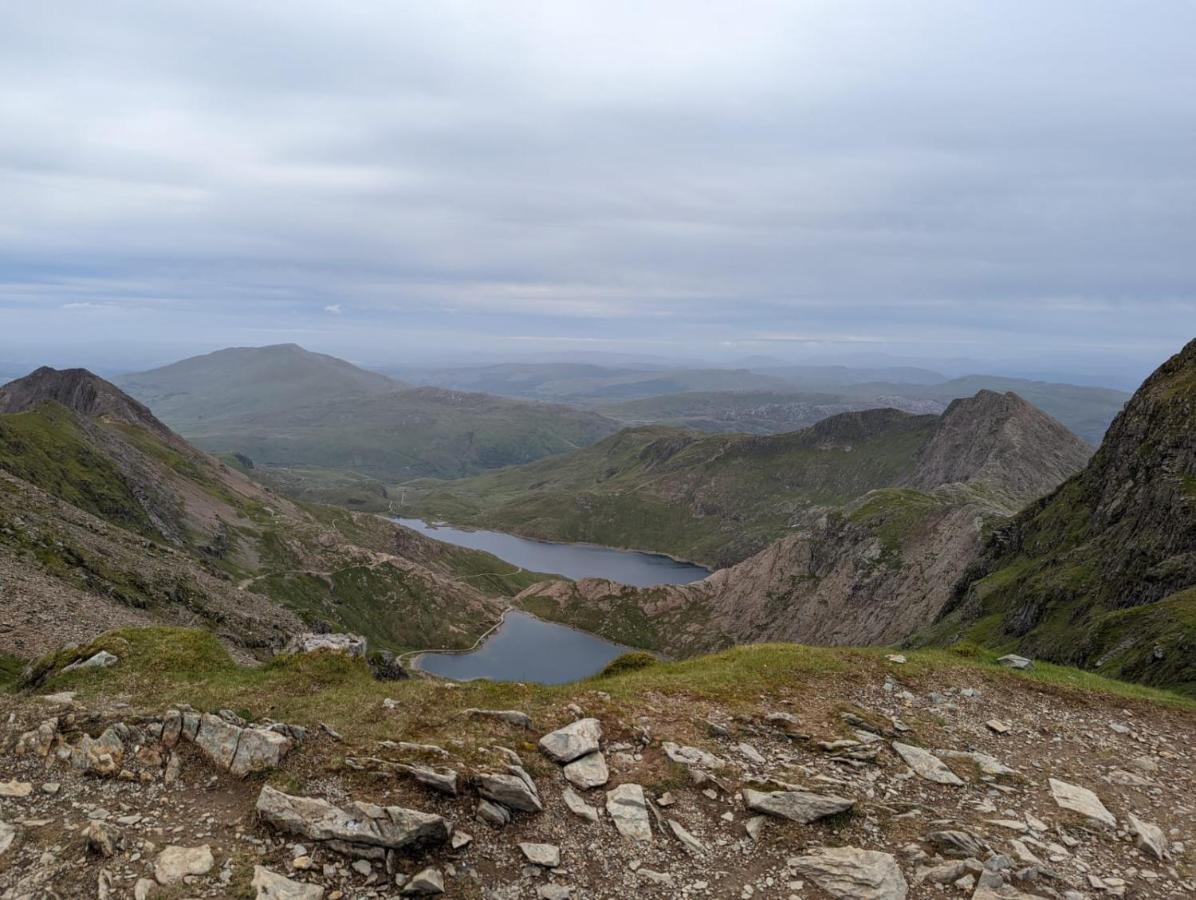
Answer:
(770, 399)
(284, 406)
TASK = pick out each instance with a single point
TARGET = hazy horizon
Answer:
(965, 187)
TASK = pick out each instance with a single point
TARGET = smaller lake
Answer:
(525, 648)
(574, 561)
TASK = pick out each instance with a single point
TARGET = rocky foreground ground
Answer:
(878, 780)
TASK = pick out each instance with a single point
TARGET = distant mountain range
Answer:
(770, 399)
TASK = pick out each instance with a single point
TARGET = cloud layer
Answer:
(938, 178)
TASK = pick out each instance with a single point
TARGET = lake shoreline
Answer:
(432, 527)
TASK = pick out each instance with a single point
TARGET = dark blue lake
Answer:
(524, 648)
(574, 561)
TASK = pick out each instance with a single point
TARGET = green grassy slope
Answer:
(714, 499)
(1100, 573)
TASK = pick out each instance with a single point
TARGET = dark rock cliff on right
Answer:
(1101, 573)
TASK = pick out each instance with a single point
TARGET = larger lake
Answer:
(574, 561)
(524, 648)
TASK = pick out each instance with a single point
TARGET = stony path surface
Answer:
(1009, 791)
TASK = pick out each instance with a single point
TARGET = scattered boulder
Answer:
(629, 810)
(1081, 800)
(272, 886)
(588, 771)
(443, 780)
(853, 874)
(7, 835)
(425, 882)
(802, 807)
(546, 855)
(1149, 837)
(1013, 661)
(956, 842)
(102, 839)
(691, 844)
(99, 756)
(176, 863)
(692, 756)
(579, 807)
(575, 740)
(15, 789)
(392, 827)
(985, 764)
(510, 716)
(515, 790)
(926, 764)
(344, 644)
(101, 660)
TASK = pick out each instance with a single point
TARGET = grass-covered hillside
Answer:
(1100, 573)
(106, 516)
(718, 499)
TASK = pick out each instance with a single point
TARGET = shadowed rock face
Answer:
(872, 571)
(81, 391)
(1078, 576)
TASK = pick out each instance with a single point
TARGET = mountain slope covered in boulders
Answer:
(764, 772)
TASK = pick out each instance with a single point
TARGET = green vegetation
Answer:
(715, 499)
(892, 514)
(48, 448)
(163, 667)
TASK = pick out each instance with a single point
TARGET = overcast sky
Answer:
(993, 180)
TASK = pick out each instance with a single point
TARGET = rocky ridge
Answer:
(882, 785)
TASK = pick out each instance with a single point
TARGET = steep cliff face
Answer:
(870, 571)
(1077, 575)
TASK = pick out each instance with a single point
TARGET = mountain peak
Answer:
(1000, 439)
(86, 393)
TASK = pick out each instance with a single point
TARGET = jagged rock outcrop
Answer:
(872, 571)
(1102, 572)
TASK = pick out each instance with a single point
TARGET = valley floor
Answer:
(693, 735)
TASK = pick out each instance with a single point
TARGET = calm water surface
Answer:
(525, 648)
(571, 560)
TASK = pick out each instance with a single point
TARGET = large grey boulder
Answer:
(574, 740)
(546, 855)
(853, 874)
(272, 886)
(259, 749)
(1149, 837)
(510, 716)
(176, 863)
(1013, 661)
(101, 756)
(425, 882)
(579, 807)
(344, 644)
(101, 660)
(629, 810)
(692, 756)
(392, 827)
(588, 771)
(514, 790)
(926, 764)
(1082, 801)
(796, 806)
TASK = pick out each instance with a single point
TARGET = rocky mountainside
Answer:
(766, 772)
(719, 499)
(1100, 573)
(873, 569)
(108, 516)
(316, 416)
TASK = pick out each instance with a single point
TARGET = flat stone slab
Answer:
(802, 807)
(574, 740)
(361, 823)
(176, 863)
(1082, 801)
(853, 874)
(629, 810)
(588, 771)
(692, 756)
(272, 886)
(926, 764)
(546, 855)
